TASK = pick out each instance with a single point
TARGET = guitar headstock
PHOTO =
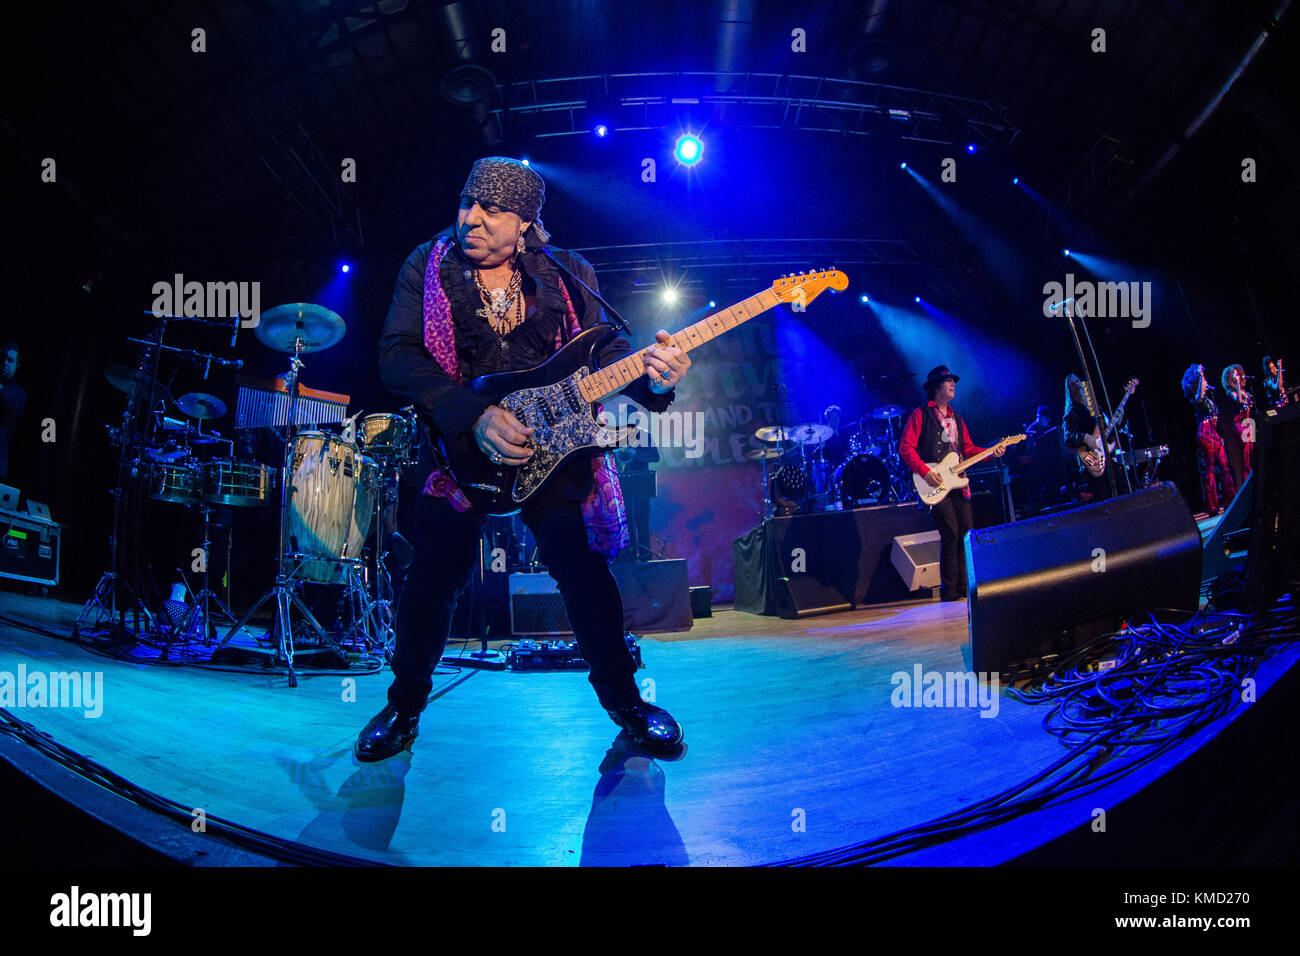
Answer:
(807, 286)
(1132, 385)
(1012, 439)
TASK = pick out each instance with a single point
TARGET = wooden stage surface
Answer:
(783, 719)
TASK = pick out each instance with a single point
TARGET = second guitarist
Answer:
(930, 433)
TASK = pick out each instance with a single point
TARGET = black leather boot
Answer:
(388, 733)
(651, 728)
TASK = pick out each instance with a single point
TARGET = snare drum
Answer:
(331, 505)
(244, 484)
(387, 436)
(174, 481)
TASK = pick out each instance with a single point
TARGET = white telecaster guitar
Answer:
(950, 472)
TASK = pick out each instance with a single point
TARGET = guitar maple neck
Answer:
(608, 381)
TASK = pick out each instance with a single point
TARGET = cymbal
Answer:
(201, 406)
(889, 411)
(123, 379)
(809, 433)
(762, 454)
(317, 327)
(769, 433)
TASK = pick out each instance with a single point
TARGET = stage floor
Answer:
(786, 721)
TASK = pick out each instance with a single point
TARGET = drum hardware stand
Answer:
(103, 600)
(283, 590)
(201, 613)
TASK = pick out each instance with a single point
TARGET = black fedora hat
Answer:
(939, 374)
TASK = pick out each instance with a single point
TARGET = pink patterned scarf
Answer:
(603, 512)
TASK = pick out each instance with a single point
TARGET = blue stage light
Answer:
(712, 304)
(601, 129)
(688, 150)
(527, 163)
(1015, 180)
(902, 165)
(865, 300)
(670, 296)
(345, 268)
(916, 299)
(1067, 252)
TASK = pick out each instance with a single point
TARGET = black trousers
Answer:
(446, 552)
(953, 516)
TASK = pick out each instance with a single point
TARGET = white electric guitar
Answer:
(950, 472)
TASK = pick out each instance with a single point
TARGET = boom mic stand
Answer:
(1068, 308)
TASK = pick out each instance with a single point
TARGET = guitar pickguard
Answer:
(563, 422)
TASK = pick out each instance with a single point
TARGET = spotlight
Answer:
(902, 165)
(970, 148)
(670, 296)
(916, 299)
(1015, 180)
(601, 129)
(527, 163)
(865, 300)
(712, 304)
(1067, 252)
(345, 268)
(688, 150)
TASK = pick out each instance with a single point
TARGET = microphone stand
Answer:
(1068, 308)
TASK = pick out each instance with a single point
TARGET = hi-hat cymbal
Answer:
(317, 327)
(762, 454)
(889, 411)
(201, 406)
(123, 379)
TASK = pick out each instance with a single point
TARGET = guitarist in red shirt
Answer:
(930, 433)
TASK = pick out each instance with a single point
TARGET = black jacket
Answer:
(407, 368)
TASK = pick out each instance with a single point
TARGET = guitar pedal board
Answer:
(529, 655)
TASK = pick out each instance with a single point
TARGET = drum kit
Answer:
(332, 491)
(812, 467)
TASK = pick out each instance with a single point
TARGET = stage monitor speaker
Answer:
(1040, 588)
(656, 595)
(916, 558)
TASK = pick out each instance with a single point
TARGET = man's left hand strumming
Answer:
(666, 365)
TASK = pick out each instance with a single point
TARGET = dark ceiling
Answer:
(149, 131)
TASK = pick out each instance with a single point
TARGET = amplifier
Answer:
(29, 548)
(536, 606)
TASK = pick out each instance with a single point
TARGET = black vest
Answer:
(931, 446)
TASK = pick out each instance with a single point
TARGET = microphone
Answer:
(234, 332)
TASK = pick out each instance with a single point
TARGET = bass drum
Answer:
(863, 480)
(331, 506)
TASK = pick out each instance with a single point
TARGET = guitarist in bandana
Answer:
(482, 298)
